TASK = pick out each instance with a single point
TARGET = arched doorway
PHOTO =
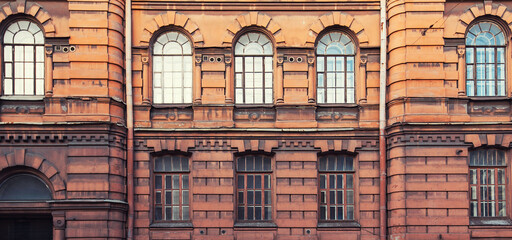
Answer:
(25, 213)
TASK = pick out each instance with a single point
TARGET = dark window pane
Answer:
(250, 181)
(185, 181)
(159, 165)
(267, 164)
(241, 164)
(322, 181)
(167, 163)
(168, 182)
(257, 213)
(241, 198)
(350, 212)
(331, 164)
(250, 197)
(332, 181)
(249, 164)
(168, 197)
(349, 164)
(340, 197)
(250, 213)
(158, 197)
(323, 213)
(350, 196)
(258, 162)
(257, 182)
(176, 166)
(268, 198)
(340, 213)
(184, 199)
(241, 184)
(158, 213)
(184, 164)
(339, 163)
(339, 181)
(332, 197)
(350, 181)
(323, 164)
(332, 213)
(158, 182)
(168, 213)
(175, 181)
(322, 197)
(186, 213)
(268, 213)
(241, 213)
(267, 181)
(257, 197)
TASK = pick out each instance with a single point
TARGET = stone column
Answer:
(229, 79)
(461, 51)
(48, 70)
(196, 92)
(311, 79)
(362, 79)
(145, 80)
(279, 79)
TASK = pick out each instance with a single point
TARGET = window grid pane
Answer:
(336, 186)
(171, 189)
(253, 70)
(487, 193)
(485, 71)
(254, 188)
(172, 69)
(23, 57)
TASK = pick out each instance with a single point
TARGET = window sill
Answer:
(171, 225)
(331, 105)
(255, 225)
(166, 105)
(342, 224)
(489, 222)
(22, 98)
(488, 98)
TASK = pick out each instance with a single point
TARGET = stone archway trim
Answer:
(337, 19)
(254, 19)
(33, 9)
(172, 18)
(20, 157)
(478, 10)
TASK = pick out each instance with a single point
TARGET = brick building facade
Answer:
(254, 120)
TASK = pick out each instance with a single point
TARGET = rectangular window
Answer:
(171, 188)
(336, 184)
(487, 178)
(254, 188)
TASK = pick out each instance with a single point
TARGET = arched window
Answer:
(485, 60)
(172, 69)
(253, 69)
(24, 187)
(335, 68)
(23, 59)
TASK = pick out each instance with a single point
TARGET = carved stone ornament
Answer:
(461, 50)
(280, 59)
(311, 59)
(227, 59)
(198, 59)
(145, 59)
(364, 60)
(48, 49)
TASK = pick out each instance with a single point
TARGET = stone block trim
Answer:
(336, 19)
(33, 9)
(478, 10)
(20, 157)
(254, 19)
(477, 140)
(172, 18)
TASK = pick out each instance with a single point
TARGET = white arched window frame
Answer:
(172, 69)
(485, 60)
(23, 58)
(335, 68)
(254, 69)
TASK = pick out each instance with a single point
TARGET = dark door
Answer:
(26, 227)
